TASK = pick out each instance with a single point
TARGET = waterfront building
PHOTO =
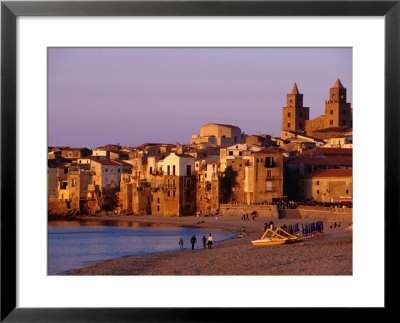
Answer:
(311, 160)
(327, 185)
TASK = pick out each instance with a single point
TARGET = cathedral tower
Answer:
(294, 115)
(337, 111)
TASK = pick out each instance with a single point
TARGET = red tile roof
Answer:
(322, 161)
(184, 155)
(107, 162)
(348, 172)
(328, 151)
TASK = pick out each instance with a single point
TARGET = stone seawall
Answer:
(326, 213)
(265, 211)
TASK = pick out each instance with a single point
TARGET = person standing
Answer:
(204, 239)
(271, 225)
(210, 241)
(181, 243)
(193, 241)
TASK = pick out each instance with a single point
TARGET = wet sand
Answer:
(328, 255)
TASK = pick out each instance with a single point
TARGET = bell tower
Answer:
(337, 111)
(294, 115)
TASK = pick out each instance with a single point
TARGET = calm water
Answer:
(72, 245)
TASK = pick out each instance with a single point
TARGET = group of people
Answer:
(334, 225)
(245, 216)
(269, 225)
(193, 240)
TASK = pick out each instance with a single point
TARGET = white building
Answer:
(179, 165)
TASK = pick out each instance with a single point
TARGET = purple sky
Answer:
(129, 96)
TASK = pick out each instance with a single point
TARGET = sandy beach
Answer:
(329, 255)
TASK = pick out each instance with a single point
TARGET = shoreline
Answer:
(328, 255)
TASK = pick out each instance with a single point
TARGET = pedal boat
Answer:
(277, 237)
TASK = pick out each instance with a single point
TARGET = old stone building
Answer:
(207, 187)
(259, 172)
(294, 115)
(219, 134)
(327, 185)
(264, 176)
(311, 161)
(338, 113)
(134, 195)
(174, 196)
(337, 120)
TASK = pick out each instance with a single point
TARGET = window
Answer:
(231, 153)
(173, 193)
(317, 191)
(119, 170)
(151, 170)
(188, 170)
(331, 112)
(300, 115)
(158, 200)
(73, 182)
(288, 125)
(169, 193)
(333, 96)
(158, 208)
(289, 112)
(347, 191)
(269, 173)
(344, 112)
(300, 125)
(240, 153)
(331, 122)
(173, 170)
(269, 162)
(188, 182)
(168, 169)
(317, 182)
(173, 183)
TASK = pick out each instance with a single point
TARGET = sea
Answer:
(75, 244)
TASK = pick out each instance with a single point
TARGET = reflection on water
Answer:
(98, 222)
(74, 244)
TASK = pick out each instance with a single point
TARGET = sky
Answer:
(130, 96)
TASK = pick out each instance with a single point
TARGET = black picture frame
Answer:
(10, 10)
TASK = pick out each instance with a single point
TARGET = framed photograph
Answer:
(56, 51)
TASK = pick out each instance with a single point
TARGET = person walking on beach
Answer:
(204, 239)
(181, 243)
(193, 241)
(210, 241)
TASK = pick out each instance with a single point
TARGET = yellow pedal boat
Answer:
(277, 237)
